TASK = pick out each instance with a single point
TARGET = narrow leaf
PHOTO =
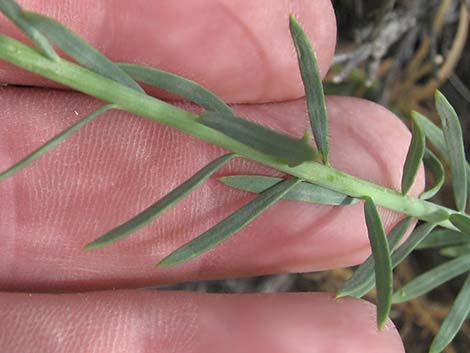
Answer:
(80, 50)
(454, 320)
(382, 261)
(53, 142)
(14, 12)
(414, 158)
(303, 191)
(432, 132)
(161, 205)
(432, 279)
(462, 222)
(436, 136)
(455, 149)
(443, 237)
(416, 237)
(363, 279)
(397, 257)
(229, 226)
(288, 149)
(435, 167)
(177, 85)
(313, 87)
(456, 251)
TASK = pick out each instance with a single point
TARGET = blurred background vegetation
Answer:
(396, 53)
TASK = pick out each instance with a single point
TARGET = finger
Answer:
(119, 164)
(239, 49)
(140, 322)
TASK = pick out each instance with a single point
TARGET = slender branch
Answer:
(93, 84)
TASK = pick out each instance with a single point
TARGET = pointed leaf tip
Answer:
(161, 205)
(382, 261)
(313, 86)
(289, 150)
(455, 149)
(461, 221)
(229, 226)
(414, 158)
(14, 12)
(80, 50)
(53, 142)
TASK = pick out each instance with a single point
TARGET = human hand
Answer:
(119, 164)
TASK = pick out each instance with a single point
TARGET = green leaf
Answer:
(382, 261)
(462, 222)
(304, 191)
(161, 205)
(80, 50)
(362, 288)
(14, 12)
(443, 237)
(53, 142)
(435, 167)
(436, 136)
(177, 85)
(454, 320)
(313, 88)
(456, 251)
(432, 132)
(416, 237)
(363, 279)
(455, 149)
(432, 279)
(230, 225)
(414, 158)
(288, 149)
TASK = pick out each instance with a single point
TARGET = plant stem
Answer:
(93, 84)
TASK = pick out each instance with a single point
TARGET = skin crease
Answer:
(117, 165)
(148, 322)
(83, 188)
(159, 34)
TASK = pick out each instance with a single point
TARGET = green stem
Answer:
(93, 84)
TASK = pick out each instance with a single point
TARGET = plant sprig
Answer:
(308, 180)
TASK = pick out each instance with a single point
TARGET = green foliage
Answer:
(53, 142)
(161, 205)
(414, 158)
(177, 85)
(230, 225)
(313, 88)
(382, 261)
(284, 147)
(302, 192)
(363, 279)
(307, 180)
(80, 50)
(432, 279)
(443, 237)
(437, 139)
(454, 320)
(435, 167)
(454, 148)
(462, 222)
(14, 12)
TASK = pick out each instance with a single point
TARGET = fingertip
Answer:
(150, 321)
(250, 60)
